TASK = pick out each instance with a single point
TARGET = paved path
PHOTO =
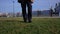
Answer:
(47, 17)
(34, 17)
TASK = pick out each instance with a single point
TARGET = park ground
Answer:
(37, 26)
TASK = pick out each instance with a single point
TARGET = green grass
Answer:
(38, 26)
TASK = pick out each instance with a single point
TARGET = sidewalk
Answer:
(47, 17)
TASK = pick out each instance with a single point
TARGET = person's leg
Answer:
(29, 11)
(23, 5)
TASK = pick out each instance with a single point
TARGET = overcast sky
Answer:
(7, 5)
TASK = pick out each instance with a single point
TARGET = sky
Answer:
(7, 5)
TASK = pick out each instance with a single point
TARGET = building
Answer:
(18, 14)
(3, 15)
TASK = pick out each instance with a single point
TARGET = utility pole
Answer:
(13, 9)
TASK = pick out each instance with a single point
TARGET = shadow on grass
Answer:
(24, 22)
(20, 21)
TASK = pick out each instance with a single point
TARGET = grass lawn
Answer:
(38, 26)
